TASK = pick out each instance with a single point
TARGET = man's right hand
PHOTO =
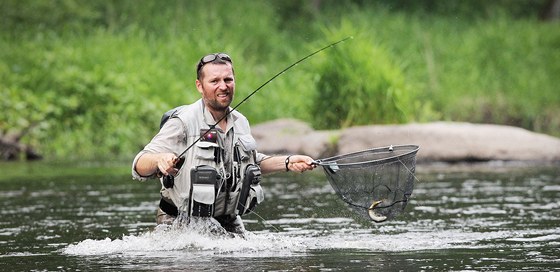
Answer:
(166, 164)
(151, 163)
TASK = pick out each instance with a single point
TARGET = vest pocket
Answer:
(204, 181)
(203, 197)
(245, 148)
(255, 197)
(226, 203)
(205, 150)
(251, 192)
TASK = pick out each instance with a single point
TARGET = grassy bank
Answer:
(91, 79)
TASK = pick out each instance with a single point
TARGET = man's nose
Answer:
(222, 85)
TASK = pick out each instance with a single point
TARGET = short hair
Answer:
(216, 58)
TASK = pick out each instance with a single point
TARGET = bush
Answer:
(78, 98)
(358, 83)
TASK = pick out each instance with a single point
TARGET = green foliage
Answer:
(497, 72)
(100, 93)
(471, 9)
(77, 98)
(358, 84)
(90, 79)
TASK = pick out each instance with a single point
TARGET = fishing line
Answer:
(409, 171)
(264, 220)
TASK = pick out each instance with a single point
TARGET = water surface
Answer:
(57, 217)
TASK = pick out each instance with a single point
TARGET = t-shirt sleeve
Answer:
(167, 140)
(261, 157)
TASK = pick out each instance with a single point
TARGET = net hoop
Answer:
(396, 153)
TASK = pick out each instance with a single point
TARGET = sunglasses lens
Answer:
(208, 58)
(225, 57)
(212, 57)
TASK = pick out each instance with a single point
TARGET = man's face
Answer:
(217, 86)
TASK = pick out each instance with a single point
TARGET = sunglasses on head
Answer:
(212, 57)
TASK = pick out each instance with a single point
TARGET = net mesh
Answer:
(377, 183)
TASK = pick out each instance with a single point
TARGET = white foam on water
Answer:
(551, 188)
(21, 254)
(10, 231)
(544, 238)
(196, 239)
(398, 242)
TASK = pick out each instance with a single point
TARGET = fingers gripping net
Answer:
(377, 183)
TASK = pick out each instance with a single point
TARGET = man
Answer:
(218, 175)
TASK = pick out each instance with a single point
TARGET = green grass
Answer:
(86, 79)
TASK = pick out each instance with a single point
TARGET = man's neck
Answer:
(222, 116)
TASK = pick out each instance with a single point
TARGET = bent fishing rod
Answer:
(255, 91)
(260, 87)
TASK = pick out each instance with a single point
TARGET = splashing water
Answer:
(201, 235)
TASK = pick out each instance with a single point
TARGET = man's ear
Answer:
(199, 86)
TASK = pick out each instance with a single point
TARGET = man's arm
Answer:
(295, 163)
(149, 163)
(159, 154)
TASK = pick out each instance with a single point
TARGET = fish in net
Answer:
(376, 183)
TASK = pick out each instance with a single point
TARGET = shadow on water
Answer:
(57, 217)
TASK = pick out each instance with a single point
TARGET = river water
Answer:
(93, 217)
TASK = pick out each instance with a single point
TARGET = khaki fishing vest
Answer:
(203, 186)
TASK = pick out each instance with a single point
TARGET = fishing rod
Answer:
(259, 88)
(169, 180)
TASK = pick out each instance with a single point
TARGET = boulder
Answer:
(290, 136)
(438, 141)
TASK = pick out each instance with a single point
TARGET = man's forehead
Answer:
(217, 69)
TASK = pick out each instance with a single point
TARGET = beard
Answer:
(219, 105)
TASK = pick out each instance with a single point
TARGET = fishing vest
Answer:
(203, 186)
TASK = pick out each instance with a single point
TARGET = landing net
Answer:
(376, 183)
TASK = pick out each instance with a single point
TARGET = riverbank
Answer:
(438, 141)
